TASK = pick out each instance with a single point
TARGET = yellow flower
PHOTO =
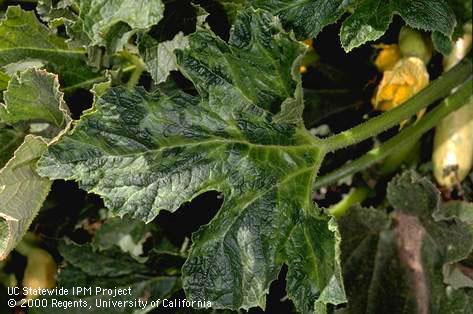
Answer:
(387, 57)
(406, 79)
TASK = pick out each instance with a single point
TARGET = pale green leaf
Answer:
(32, 100)
(23, 65)
(23, 37)
(22, 193)
(103, 22)
(159, 57)
(143, 153)
(128, 234)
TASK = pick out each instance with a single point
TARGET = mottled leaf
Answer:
(368, 20)
(308, 269)
(260, 60)
(144, 152)
(23, 37)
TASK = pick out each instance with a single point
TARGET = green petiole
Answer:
(407, 136)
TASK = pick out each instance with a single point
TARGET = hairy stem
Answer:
(406, 137)
(140, 67)
(355, 196)
(434, 91)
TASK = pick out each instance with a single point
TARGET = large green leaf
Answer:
(147, 152)
(23, 37)
(22, 193)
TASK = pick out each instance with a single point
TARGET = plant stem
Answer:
(140, 66)
(439, 88)
(406, 137)
(355, 196)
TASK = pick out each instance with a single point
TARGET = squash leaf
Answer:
(34, 104)
(143, 153)
(23, 37)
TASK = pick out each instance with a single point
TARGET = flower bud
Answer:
(412, 43)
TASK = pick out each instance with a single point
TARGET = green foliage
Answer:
(368, 21)
(184, 104)
(23, 37)
(110, 269)
(178, 146)
(34, 96)
(111, 24)
(33, 104)
(401, 257)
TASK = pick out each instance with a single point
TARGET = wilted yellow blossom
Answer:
(388, 56)
(406, 79)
